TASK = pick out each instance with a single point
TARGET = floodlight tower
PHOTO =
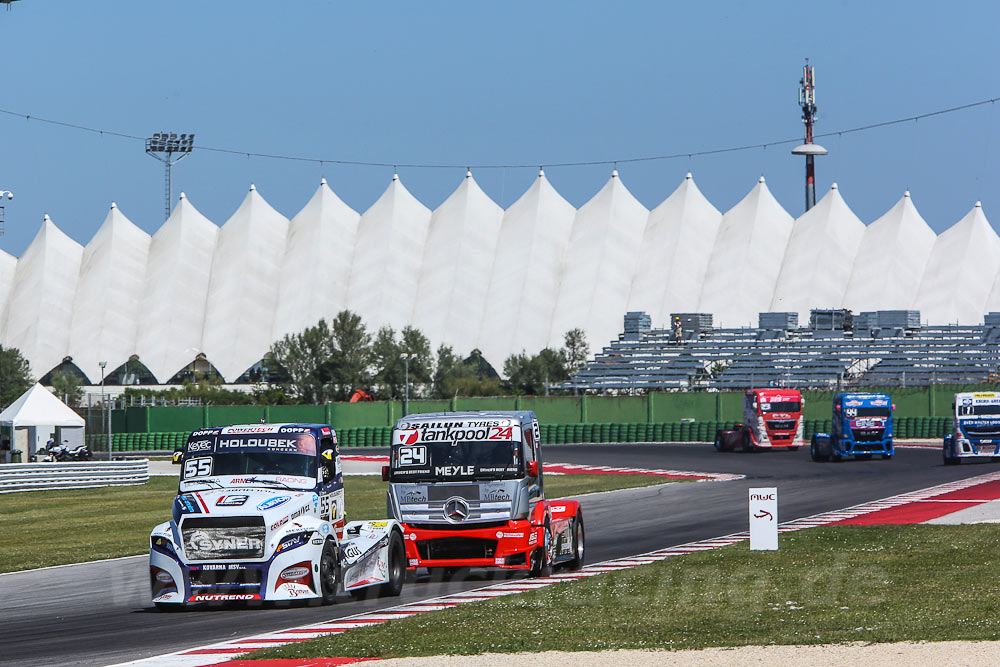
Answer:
(163, 146)
(807, 100)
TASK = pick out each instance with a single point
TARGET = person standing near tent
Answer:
(51, 443)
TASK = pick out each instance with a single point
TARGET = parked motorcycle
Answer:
(62, 453)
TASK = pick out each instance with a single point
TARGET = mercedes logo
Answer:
(456, 509)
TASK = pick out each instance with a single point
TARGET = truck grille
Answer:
(456, 547)
(868, 434)
(444, 492)
(782, 425)
(983, 431)
(867, 447)
(223, 538)
(228, 578)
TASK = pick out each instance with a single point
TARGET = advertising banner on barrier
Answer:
(764, 519)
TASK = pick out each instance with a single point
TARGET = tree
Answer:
(349, 369)
(576, 350)
(66, 386)
(304, 362)
(532, 375)
(421, 364)
(444, 369)
(15, 375)
(388, 367)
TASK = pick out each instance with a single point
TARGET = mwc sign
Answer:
(764, 519)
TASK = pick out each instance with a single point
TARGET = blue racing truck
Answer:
(976, 433)
(862, 426)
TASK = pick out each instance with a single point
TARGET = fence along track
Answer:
(16, 477)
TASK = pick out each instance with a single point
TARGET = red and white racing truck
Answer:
(468, 489)
(772, 419)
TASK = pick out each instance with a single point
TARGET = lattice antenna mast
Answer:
(163, 146)
(807, 100)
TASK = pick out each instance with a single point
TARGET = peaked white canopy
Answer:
(747, 257)
(819, 257)
(891, 260)
(175, 297)
(525, 281)
(968, 253)
(458, 259)
(243, 292)
(39, 407)
(599, 264)
(674, 253)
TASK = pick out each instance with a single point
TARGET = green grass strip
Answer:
(825, 585)
(42, 528)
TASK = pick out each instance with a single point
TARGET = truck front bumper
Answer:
(507, 546)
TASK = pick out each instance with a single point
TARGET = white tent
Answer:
(243, 292)
(961, 270)
(37, 412)
(599, 264)
(40, 308)
(747, 257)
(8, 265)
(819, 257)
(525, 281)
(172, 314)
(455, 272)
(385, 267)
(317, 263)
(674, 254)
(891, 260)
(109, 293)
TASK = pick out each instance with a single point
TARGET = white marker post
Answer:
(764, 519)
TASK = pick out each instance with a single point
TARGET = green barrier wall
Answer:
(378, 436)
(655, 408)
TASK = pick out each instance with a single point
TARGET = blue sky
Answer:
(488, 83)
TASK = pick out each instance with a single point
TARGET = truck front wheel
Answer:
(540, 565)
(397, 568)
(328, 573)
(577, 561)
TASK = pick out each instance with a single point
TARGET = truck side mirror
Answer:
(893, 407)
(178, 455)
(836, 409)
(385, 473)
(532, 468)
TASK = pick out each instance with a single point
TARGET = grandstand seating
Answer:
(798, 357)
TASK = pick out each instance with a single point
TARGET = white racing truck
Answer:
(259, 515)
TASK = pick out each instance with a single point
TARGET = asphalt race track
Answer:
(100, 613)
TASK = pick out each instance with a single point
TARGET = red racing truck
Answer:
(468, 489)
(772, 419)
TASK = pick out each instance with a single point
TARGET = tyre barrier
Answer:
(16, 477)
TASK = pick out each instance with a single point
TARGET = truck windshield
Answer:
(970, 410)
(292, 454)
(448, 461)
(783, 406)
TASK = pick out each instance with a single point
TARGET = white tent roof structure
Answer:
(524, 285)
(39, 407)
(674, 253)
(109, 294)
(243, 291)
(8, 265)
(599, 264)
(747, 257)
(385, 268)
(172, 313)
(891, 260)
(503, 281)
(40, 308)
(968, 253)
(819, 257)
(457, 263)
(317, 262)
